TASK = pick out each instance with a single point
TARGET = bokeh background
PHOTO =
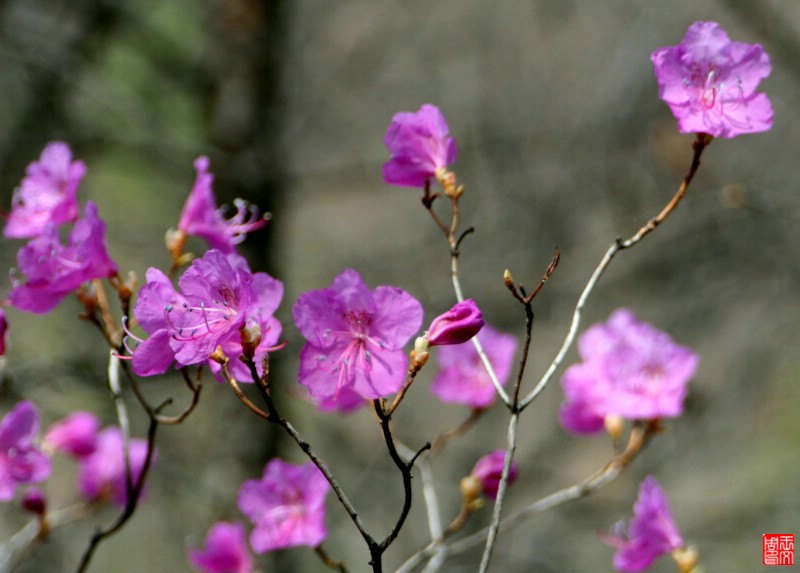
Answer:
(563, 142)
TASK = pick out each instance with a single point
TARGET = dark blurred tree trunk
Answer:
(50, 72)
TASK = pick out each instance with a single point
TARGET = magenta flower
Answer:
(419, 147)
(455, 326)
(650, 534)
(267, 295)
(346, 401)
(287, 506)
(355, 337)
(489, 470)
(21, 462)
(463, 378)
(225, 550)
(710, 83)
(54, 270)
(47, 194)
(75, 435)
(218, 296)
(202, 218)
(629, 369)
(102, 473)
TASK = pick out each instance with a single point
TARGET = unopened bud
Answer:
(470, 487)
(686, 559)
(251, 337)
(35, 502)
(614, 425)
(457, 325)
(175, 239)
(418, 359)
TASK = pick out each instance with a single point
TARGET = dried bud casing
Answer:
(251, 337)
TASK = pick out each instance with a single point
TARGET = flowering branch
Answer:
(699, 145)
(223, 360)
(405, 470)
(133, 495)
(262, 382)
(639, 437)
(36, 530)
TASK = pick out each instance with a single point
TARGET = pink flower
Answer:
(202, 218)
(489, 470)
(225, 551)
(287, 506)
(47, 194)
(710, 83)
(267, 295)
(650, 534)
(455, 326)
(355, 337)
(219, 295)
(419, 146)
(629, 369)
(75, 435)
(54, 270)
(102, 473)
(463, 378)
(21, 462)
(346, 401)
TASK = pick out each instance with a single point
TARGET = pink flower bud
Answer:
(34, 501)
(457, 325)
(489, 470)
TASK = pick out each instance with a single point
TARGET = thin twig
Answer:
(238, 391)
(639, 437)
(442, 439)
(131, 503)
(700, 144)
(262, 382)
(405, 471)
(15, 549)
(328, 560)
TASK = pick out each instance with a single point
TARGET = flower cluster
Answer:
(709, 83)
(355, 337)
(47, 195)
(100, 455)
(219, 296)
(46, 199)
(630, 370)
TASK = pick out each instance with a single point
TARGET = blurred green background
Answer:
(563, 141)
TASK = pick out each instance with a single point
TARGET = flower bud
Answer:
(457, 325)
(34, 501)
(489, 470)
(251, 338)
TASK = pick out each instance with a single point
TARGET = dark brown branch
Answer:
(134, 494)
